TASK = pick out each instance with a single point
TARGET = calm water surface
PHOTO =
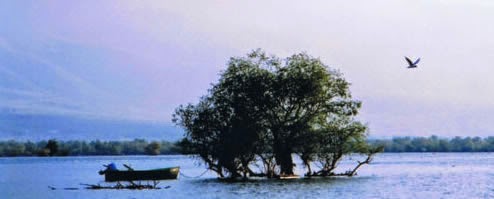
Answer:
(409, 175)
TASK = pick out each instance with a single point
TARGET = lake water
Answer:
(407, 175)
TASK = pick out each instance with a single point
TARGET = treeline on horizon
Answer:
(142, 147)
(436, 144)
(87, 148)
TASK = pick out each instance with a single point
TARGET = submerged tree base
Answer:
(345, 174)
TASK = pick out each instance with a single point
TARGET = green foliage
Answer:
(153, 148)
(267, 108)
(436, 144)
(80, 148)
(51, 147)
(12, 148)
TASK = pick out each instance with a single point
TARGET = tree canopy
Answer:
(266, 109)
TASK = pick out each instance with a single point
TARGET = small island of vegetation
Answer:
(265, 109)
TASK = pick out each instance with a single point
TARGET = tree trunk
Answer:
(367, 161)
(285, 161)
(283, 153)
(309, 169)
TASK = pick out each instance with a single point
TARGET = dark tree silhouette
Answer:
(267, 108)
(153, 148)
(52, 147)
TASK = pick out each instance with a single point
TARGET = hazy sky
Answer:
(141, 59)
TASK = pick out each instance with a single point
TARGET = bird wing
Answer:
(416, 62)
(409, 61)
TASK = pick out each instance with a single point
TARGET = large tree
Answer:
(268, 108)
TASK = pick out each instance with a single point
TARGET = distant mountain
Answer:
(40, 127)
(65, 91)
(64, 79)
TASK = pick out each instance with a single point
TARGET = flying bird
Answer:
(412, 64)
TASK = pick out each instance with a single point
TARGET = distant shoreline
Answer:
(432, 144)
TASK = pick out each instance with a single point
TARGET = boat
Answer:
(170, 173)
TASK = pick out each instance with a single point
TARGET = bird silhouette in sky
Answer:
(412, 64)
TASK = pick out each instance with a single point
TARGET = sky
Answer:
(139, 60)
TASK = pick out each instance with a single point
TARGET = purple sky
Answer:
(140, 60)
